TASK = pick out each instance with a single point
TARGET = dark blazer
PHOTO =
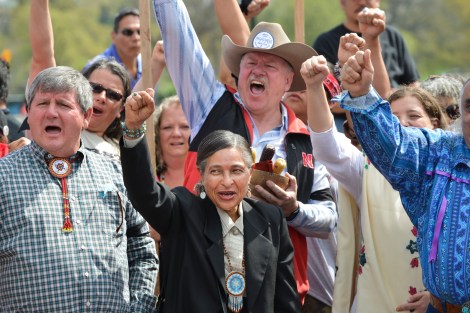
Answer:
(192, 258)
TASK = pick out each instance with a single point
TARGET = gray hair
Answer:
(219, 140)
(444, 86)
(61, 79)
(456, 127)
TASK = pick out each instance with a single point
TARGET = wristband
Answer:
(134, 133)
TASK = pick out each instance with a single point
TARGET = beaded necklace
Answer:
(235, 284)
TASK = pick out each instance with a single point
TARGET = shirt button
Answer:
(82, 248)
(235, 231)
(72, 198)
(78, 222)
(86, 274)
(88, 303)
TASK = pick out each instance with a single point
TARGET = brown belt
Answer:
(450, 308)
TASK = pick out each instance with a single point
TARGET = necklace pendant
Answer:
(235, 285)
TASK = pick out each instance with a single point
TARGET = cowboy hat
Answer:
(269, 38)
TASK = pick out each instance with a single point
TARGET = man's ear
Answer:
(289, 80)
(87, 118)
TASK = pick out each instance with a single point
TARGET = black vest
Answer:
(227, 114)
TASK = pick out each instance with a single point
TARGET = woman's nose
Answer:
(227, 179)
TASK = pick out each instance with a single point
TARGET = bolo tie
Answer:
(61, 168)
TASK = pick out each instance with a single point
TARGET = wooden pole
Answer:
(299, 20)
(146, 51)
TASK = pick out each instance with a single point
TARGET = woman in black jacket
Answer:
(223, 252)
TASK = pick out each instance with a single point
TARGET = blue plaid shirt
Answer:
(111, 53)
(95, 268)
(431, 170)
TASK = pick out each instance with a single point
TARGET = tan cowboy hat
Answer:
(269, 38)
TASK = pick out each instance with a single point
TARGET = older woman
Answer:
(222, 252)
(431, 171)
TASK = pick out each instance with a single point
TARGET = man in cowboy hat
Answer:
(266, 67)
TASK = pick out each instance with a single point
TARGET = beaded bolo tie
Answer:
(61, 168)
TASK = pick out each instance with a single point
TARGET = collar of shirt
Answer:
(112, 52)
(275, 136)
(228, 224)
(40, 154)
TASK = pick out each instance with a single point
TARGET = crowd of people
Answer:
(373, 216)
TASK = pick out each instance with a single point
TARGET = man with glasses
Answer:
(125, 47)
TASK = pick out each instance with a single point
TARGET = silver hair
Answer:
(61, 79)
(445, 86)
(456, 127)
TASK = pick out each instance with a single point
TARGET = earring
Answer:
(202, 195)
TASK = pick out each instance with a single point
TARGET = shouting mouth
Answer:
(257, 87)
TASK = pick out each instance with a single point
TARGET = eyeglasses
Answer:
(110, 94)
(129, 32)
(453, 111)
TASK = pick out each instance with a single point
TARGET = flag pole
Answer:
(299, 19)
(145, 39)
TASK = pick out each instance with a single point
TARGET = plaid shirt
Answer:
(99, 267)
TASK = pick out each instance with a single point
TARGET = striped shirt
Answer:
(232, 234)
(106, 264)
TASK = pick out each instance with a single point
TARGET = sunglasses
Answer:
(129, 32)
(452, 111)
(110, 94)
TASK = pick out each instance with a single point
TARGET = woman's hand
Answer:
(349, 44)
(139, 107)
(417, 303)
(357, 74)
(314, 70)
